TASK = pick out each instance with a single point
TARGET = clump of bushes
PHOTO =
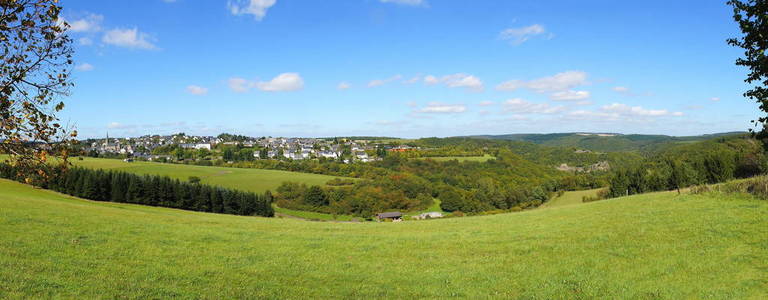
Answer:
(757, 187)
(601, 194)
(340, 182)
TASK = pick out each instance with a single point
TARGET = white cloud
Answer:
(257, 8)
(84, 41)
(376, 82)
(406, 2)
(714, 99)
(621, 89)
(463, 80)
(486, 103)
(129, 38)
(570, 95)
(380, 82)
(626, 110)
(197, 90)
(239, 85)
(413, 79)
(521, 106)
(625, 91)
(517, 36)
(441, 108)
(556, 83)
(622, 112)
(458, 80)
(282, 83)
(343, 85)
(91, 23)
(429, 79)
(518, 118)
(84, 67)
(628, 92)
(116, 125)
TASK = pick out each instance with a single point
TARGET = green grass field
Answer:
(570, 198)
(281, 212)
(254, 180)
(649, 246)
(483, 158)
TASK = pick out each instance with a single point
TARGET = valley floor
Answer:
(657, 245)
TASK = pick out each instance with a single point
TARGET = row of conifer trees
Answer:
(117, 186)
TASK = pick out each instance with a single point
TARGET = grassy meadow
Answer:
(658, 245)
(254, 180)
(570, 198)
(281, 212)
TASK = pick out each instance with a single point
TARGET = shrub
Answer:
(757, 187)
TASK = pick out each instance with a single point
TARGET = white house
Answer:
(429, 215)
(360, 155)
(328, 154)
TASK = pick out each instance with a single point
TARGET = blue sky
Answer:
(406, 68)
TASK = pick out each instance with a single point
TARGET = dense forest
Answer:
(505, 183)
(605, 142)
(162, 191)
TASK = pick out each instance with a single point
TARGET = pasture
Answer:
(570, 198)
(253, 180)
(658, 245)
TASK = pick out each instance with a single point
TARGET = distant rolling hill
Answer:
(606, 142)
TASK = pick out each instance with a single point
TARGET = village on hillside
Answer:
(172, 147)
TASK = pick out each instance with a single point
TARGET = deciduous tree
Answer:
(36, 56)
(752, 17)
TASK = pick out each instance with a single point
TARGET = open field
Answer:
(310, 215)
(658, 245)
(570, 198)
(254, 180)
(460, 158)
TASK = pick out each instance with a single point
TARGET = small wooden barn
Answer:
(394, 216)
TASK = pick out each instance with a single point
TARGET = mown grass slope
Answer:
(254, 180)
(649, 246)
(570, 198)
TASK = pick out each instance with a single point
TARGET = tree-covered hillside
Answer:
(680, 166)
(605, 142)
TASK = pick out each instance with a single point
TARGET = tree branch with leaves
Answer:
(36, 56)
(752, 17)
